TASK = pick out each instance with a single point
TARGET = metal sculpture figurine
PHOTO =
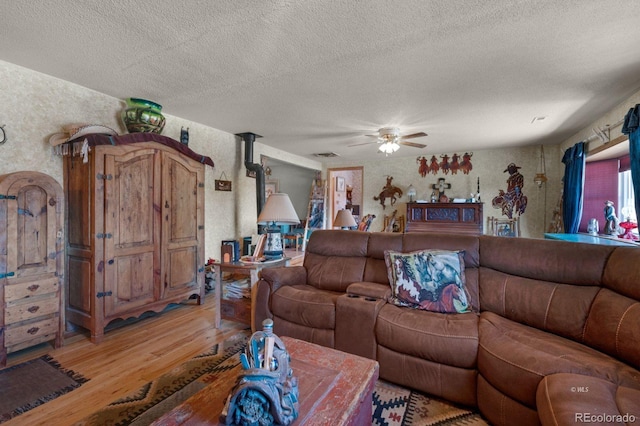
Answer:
(388, 191)
(267, 392)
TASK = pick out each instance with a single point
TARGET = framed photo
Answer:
(340, 186)
(270, 187)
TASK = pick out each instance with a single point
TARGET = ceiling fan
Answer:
(390, 139)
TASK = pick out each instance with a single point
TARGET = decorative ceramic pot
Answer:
(142, 115)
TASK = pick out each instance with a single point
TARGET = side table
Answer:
(252, 269)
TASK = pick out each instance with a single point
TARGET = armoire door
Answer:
(182, 224)
(131, 230)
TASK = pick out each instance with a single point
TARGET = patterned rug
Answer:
(32, 383)
(397, 406)
(392, 405)
(156, 398)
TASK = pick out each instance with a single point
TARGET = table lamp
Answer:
(277, 210)
(344, 219)
(411, 192)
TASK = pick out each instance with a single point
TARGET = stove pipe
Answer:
(249, 138)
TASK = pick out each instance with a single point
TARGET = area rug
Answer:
(397, 406)
(32, 383)
(158, 397)
(392, 405)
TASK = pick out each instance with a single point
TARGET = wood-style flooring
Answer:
(127, 358)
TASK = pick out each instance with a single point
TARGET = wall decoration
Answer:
(444, 164)
(441, 186)
(454, 165)
(434, 166)
(423, 169)
(340, 185)
(271, 186)
(223, 184)
(513, 200)
(466, 165)
(388, 191)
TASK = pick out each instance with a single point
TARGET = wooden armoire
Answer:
(135, 226)
(31, 261)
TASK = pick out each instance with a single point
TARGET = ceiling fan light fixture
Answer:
(389, 147)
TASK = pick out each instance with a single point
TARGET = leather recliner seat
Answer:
(549, 317)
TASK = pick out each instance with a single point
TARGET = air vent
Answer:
(326, 154)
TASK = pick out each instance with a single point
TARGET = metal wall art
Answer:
(445, 165)
(513, 200)
(389, 191)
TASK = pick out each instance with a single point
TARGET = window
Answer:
(608, 180)
(626, 198)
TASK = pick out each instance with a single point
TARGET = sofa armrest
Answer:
(286, 275)
(370, 289)
(271, 279)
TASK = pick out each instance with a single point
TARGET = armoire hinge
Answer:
(104, 235)
(201, 185)
(7, 197)
(105, 177)
(8, 274)
(104, 294)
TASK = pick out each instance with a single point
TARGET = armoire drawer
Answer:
(16, 292)
(15, 335)
(28, 309)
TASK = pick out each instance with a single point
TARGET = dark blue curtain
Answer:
(574, 159)
(630, 127)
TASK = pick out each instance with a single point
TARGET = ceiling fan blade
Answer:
(414, 135)
(363, 143)
(413, 144)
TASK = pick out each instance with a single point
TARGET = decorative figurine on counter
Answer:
(611, 226)
(266, 392)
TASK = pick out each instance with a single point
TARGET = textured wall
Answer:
(488, 165)
(34, 106)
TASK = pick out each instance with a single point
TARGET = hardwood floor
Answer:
(127, 358)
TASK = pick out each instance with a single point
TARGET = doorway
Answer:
(345, 191)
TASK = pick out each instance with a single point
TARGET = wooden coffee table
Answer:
(335, 388)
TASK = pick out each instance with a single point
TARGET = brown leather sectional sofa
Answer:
(554, 339)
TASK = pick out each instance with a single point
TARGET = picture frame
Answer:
(223, 185)
(504, 227)
(271, 186)
(340, 185)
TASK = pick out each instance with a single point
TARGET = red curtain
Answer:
(600, 185)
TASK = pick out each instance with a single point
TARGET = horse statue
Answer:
(389, 191)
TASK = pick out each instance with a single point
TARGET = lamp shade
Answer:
(344, 219)
(411, 192)
(278, 209)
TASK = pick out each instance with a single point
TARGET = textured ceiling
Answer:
(315, 76)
